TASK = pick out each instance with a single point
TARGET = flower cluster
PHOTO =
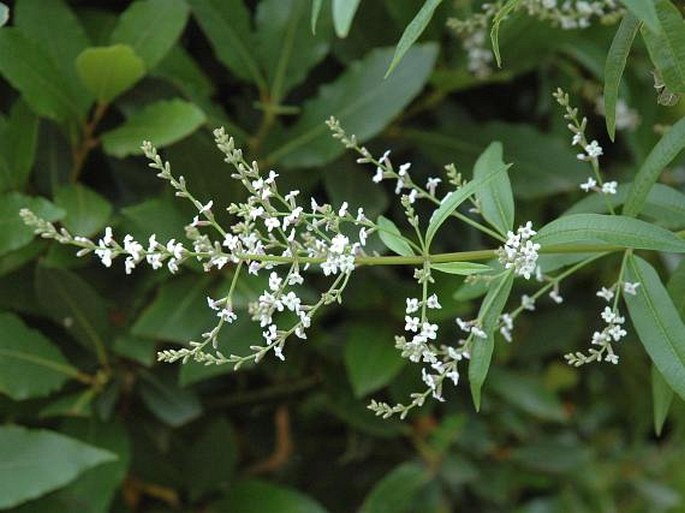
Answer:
(572, 14)
(519, 252)
(612, 332)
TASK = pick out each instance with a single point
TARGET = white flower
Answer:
(384, 158)
(207, 207)
(556, 297)
(404, 168)
(108, 238)
(630, 288)
(411, 323)
(606, 294)
(363, 234)
(612, 358)
(519, 252)
(226, 314)
(290, 197)
(275, 281)
(378, 177)
(412, 195)
(343, 209)
(609, 187)
(429, 330)
(593, 149)
(527, 302)
(412, 305)
(589, 185)
(608, 315)
(271, 223)
(478, 332)
(432, 184)
(291, 301)
(432, 302)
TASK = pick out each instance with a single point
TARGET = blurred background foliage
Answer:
(91, 424)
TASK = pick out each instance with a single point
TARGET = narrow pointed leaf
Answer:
(30, 365)
(392, 238)
(598, 229)
(151, 28)
(482, 349)
(461, 268)
(360, 99)
(614, 66)
(496, 198)
(108, 71)
(343, 14)
(87, 211)
(666, 46)
(657, 322)
(644, 11)
(668, 147)
(163, 123)
(35, 462)
(395, 492)
(662, 397)
(452, 201)
(18, 146)
(413, 32)
(501, 15)
(226, 23)
(316, 12)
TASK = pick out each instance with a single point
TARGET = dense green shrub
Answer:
(92, 423)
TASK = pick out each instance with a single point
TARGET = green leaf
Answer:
(179, 312)
(171, 404)
(30, 365)
(73, 303)
(644, 11)
(40, 21)
(316, 11)
(615, 64)
(35, 462)
(452, 201)
(488, 315)
(395, 491)
(108, 71)
(666, 46)
(676, 288)
(286, 50)
(87, 211)
(370, 357)
(496, 198)
(226, 23)
(151, 28)
(415, 28)
(662, 397)
(608, 230)
(500, 16)
(211, 459)
(18, 146)
(163, 123)
(527, 393)
(254, 496)
(461, 268)
(657, 323)
(664, 205)
(30, 70)
(668, 147)
(141, 350)
(392, 237)
(343, 14)
(362, 101)
(14, 234)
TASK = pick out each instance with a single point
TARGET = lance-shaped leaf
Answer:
(343, 14)
(662, 397)
(644, 11)
(395, 492)
(362, 101)
(255, 496)
(163, 123)
(496, 198)
(151, 27)
(30, 365)
(108, 71)
(226, 23)
(598, 229)
(461, 268)
(666, 46)
(392, 238)
(482, 349)
(35, 462)
(287, 51)
(452, 201)
(614, 66)
(18, 146)
(413, 31)
(657, 322)
(500, 16)
(668, 147)
(87, 211)
(25, 65)
(14, 234)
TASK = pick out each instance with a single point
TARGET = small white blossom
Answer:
(527, 302)
(630, 288)
(432, 184)
(412, 305)
(589, 185)
(556, 297)
(606, 294)
(411, 323)
(519, 252)
(609, 187)
(432, 302)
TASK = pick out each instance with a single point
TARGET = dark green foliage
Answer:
(90, 423)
